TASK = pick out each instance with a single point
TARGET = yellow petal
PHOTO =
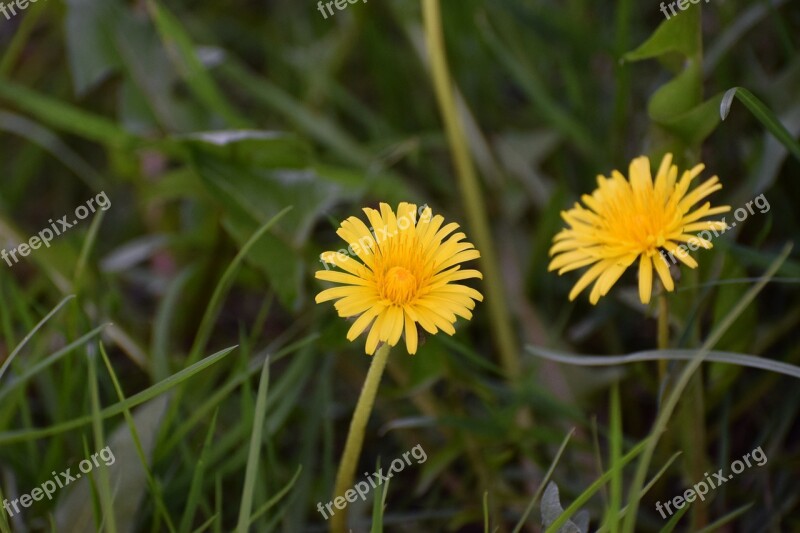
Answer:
(645, 278)
(411, 334)
(663, 273)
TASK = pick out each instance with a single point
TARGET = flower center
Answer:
(400, 285)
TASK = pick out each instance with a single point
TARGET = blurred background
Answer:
(201, 121)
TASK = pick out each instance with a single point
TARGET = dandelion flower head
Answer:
(399, 273)
(636, 218)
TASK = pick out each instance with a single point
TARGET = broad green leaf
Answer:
(252, 148)
(183, 54)
(90, 43)
(693, 126)
(254, 175)
(679, 34)
(148, 98)
(281, 263)
(677, 96)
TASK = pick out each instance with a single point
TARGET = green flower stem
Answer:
(470, 190)
(663, 331)
(355, 436)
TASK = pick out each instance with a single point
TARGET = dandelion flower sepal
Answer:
(404, 274)
(625, 220)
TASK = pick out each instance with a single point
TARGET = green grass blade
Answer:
(207, 524)
(486, 511)
(379, 504)
(105, 492)
(200, 412)
(594, 487)
(622, 72)
(157, 496)
(66, 117)
(30, 334)
(163, 323)
(275, 499)
(645, 490)
(86, 249)
(673, 522)
(8, 437)
(543, 484)
(669, 405)
(17, 45)
(536, 90)
(225, 282)
(49, 141)
(616, 453)
(726, 519)
(255, 451)
(49, 360)
(751, 361)
(763, 114)
(197, 478)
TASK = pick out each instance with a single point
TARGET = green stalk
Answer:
(663, 331)
(470, 189)
(355, 436)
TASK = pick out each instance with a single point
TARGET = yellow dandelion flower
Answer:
(403, 274)
(635, 218)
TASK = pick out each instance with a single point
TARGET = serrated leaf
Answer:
(551, 510)
(551, 505)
